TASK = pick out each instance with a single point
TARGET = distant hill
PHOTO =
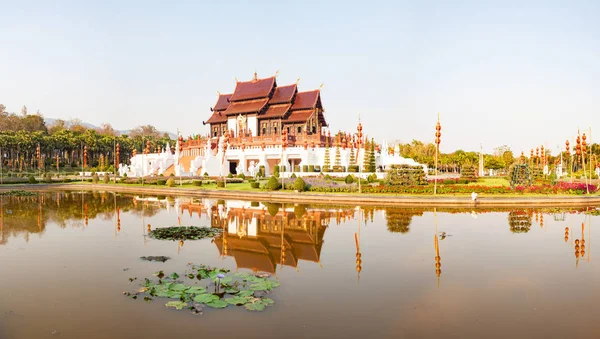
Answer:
(50, 121)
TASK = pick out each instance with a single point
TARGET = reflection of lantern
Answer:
(566, 234)
(576, 248)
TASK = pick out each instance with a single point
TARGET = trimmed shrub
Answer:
(95, 178)
(299, 211)
(241, 176)
(66, 180)
(197, 183)
(276, 172)
(105, 179)
(299, 185)
(254, 204)
(206, 174)
(230, 175)
(353, 168)
(311, 168)
(296, 168)
(48, 177)
(220, 184)
(293, 175)
(31, 180)
(162, 182)
(304, 168)
(261, 171)
(349, 179)
(170, 182)
(254, 184)
(326, 169)
(273, 184)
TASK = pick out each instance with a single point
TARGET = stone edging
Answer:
(325, 198)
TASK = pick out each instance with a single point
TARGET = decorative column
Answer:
(438, 135)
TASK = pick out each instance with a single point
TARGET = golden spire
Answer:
(218, 93)
(255, 78)
(321, 86)
(276, 73)
(297, 81)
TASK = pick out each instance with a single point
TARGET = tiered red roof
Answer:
(267, 100)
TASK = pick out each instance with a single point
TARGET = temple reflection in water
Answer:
(262, 236)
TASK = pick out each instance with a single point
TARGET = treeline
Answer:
(20, 135)
(501, 159)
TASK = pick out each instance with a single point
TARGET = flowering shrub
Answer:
(559, 188)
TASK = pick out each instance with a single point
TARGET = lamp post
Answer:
(438, 134)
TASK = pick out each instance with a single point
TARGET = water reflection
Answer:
(258, 236)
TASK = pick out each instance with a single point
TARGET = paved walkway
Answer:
(328, 198)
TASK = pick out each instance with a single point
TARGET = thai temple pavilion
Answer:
(261, 108)
(259, 126)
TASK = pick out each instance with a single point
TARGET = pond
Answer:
(66, 259)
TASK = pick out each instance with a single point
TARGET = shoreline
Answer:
(327, 198)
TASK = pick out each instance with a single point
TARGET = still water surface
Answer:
(66, 259)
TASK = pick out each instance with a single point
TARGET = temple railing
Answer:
(269, 141)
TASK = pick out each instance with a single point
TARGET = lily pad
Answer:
(184, 233)
(217, 304)
(247, 289)
(205, 298)
(179, 305)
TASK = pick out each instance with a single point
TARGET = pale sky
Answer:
(521, 73)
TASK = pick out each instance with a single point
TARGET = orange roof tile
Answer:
(276, 111)
(300, 115)
(253, 89)
(222, 102)
(250, 106)
(283, 94)
(306, 100)
(217, 117)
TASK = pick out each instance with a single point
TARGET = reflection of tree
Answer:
(30, 214)
(398, 220)
(519, 221)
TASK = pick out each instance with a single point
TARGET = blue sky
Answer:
(521, 73)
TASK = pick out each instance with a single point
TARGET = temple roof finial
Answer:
(322, 84)
(297, 81)
(255, 76)
(276, 73)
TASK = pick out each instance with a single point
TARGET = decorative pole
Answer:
(583, 153)
(180, 155)
(117, 159)
(284, 141)
(438, 134)
(359, 128)
(39, 157)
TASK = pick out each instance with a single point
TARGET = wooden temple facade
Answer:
(261, 108)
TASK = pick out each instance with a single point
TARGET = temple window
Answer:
(314, 130)
(299, 130)
(274, 130)
(264, 131)
(288, 129)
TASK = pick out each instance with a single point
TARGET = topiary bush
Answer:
(276, 172)
(254, 184)
(31, 180)
(197, 183)
(293, 176)
(170, 182)
(349, 179)
(299, 185)
(220, 184)
(230, 175)
(273, 184)
(48, 177)
(95, 178)
(162, 182)
(105, 179)
(241, 176)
